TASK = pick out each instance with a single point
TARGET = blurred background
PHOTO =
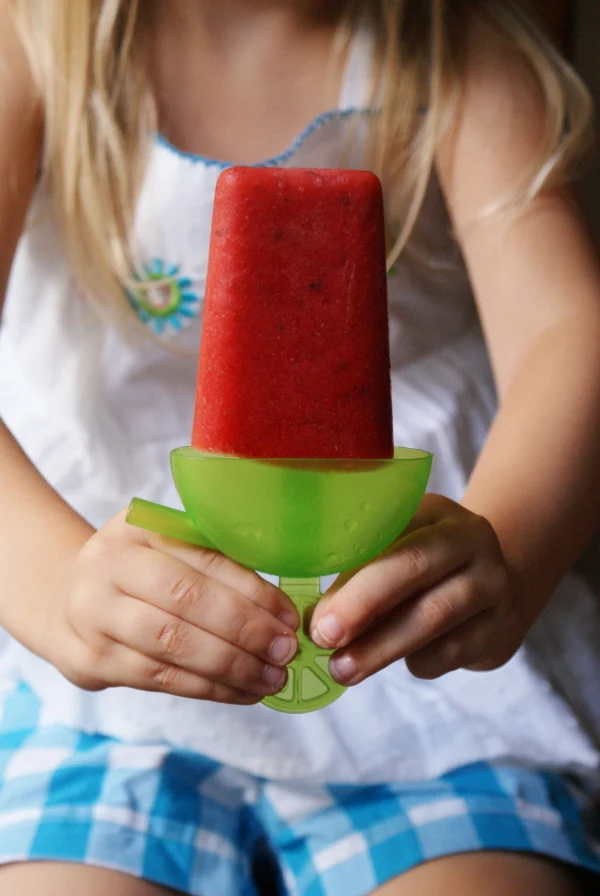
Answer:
(582, 33)
(580, 21)
(575, 25)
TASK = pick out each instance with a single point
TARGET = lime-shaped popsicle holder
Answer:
(296, 519)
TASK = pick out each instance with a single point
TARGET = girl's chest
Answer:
(244, 98)
(172, 237)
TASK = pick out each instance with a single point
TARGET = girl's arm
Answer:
(537, 283)
(462, 587)
(39, 533)
(117, 607)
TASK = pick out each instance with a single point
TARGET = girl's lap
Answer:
(183, 821)
(490, 873)
(58, 878)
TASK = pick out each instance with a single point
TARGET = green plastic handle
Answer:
(309, 685)
(165, 521)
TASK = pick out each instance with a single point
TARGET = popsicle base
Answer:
(309, 685)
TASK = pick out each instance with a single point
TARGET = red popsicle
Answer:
(294, 357)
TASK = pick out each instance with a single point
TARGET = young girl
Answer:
(135, 757)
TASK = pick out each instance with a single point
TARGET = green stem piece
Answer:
(309, 685)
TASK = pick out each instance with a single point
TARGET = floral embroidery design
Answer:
(170, 304)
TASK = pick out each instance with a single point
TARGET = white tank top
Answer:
(99, 416)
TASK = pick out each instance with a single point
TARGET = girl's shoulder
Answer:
(502, 112)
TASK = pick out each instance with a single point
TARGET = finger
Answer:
(410, 628)
(419, 562)
(133, 669)
(463, 647)
(171, 641)
(433, 509)
(171, 585)
(220, 568)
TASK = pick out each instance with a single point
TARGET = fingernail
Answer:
(275, 678)
(282, 649)
(289, 618)
(328, 632)
(343, 669)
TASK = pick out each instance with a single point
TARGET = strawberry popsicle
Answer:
(294, 357)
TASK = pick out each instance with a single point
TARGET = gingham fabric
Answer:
(187, 822)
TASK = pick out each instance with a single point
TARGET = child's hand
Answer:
(147, 612)
(441, 597)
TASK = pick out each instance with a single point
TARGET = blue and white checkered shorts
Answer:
(187, 822)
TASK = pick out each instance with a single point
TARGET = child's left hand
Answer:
(442, 597)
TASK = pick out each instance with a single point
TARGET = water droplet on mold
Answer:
(249, 532)
(333, 560)
(350, 525)
(366, 506)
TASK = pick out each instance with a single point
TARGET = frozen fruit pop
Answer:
(294, 357)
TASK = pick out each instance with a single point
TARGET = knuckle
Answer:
(96, 551)
(369, 603)
(185, 593)
(259, 592)
(245, 632)
(213, 561)
(224, 662)
(414, 562)
(264, 593)
(436, 612)
(379, 659)
(172, 639)
(467, 591)
(162, 676)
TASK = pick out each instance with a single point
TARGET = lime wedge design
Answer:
(309, 685)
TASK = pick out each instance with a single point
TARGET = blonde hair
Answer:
(90, 61)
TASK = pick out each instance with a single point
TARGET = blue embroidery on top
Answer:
(283, 157)
(170, 304)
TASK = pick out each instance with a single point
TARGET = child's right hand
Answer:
(147, 612)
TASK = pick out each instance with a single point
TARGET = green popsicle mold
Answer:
(296, 519)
